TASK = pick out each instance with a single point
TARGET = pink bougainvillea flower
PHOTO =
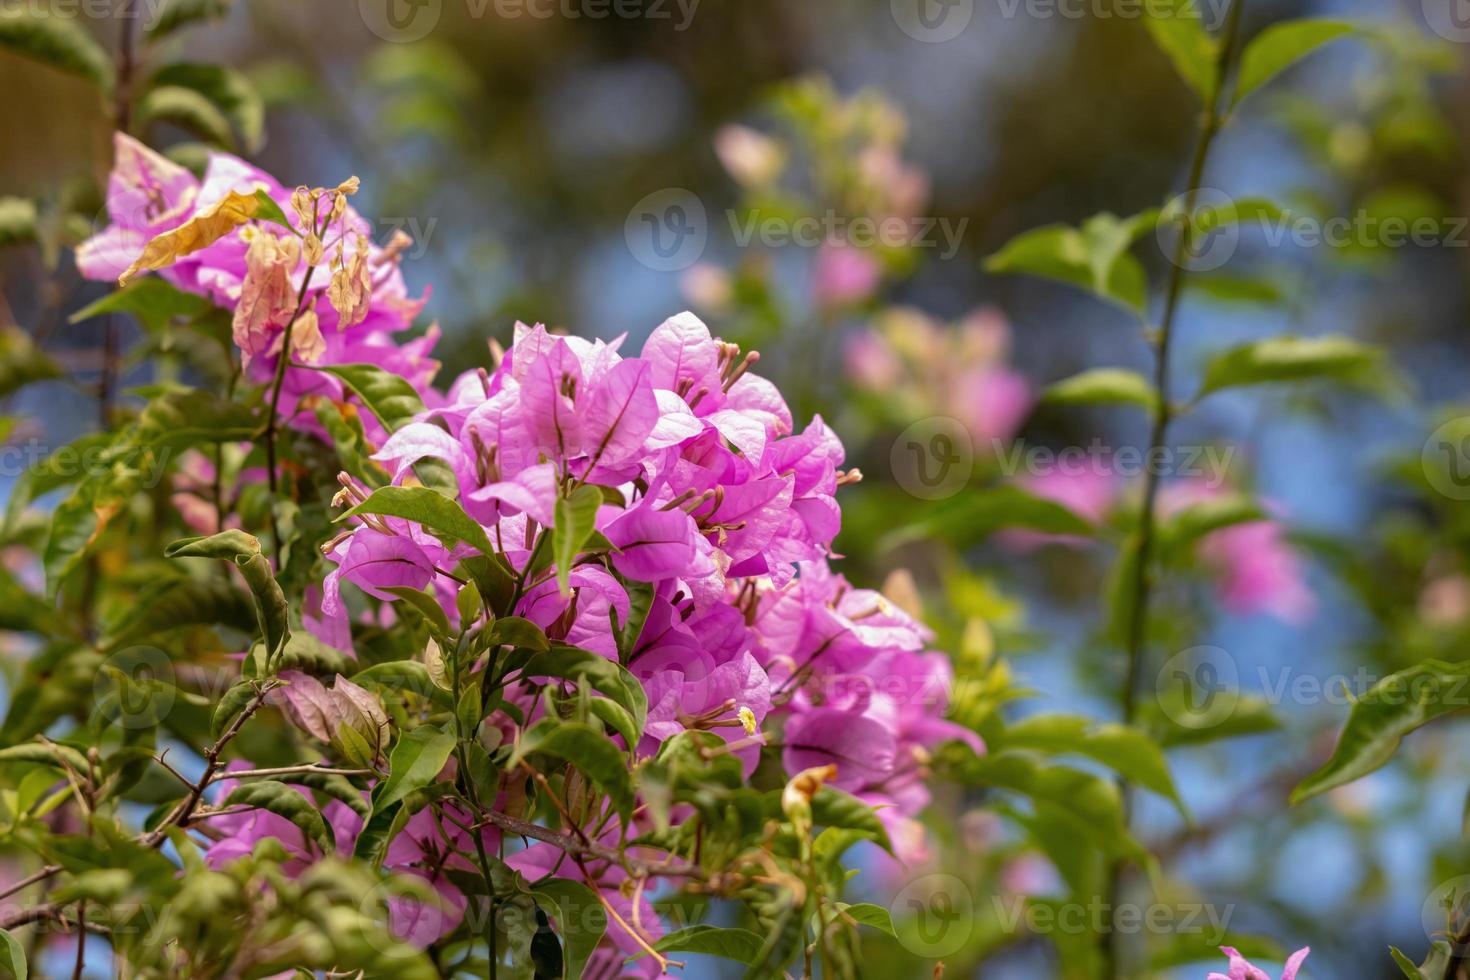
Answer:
(843, 274)
(1088, 489)
(720, 516)
(258, 272)
(1256, 568)
(1241, 969)
(918, 367)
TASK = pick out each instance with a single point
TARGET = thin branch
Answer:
(48, 871)
(180, 814)
(576, 847)
(1141, 586)
(291, 771)
(271, 420)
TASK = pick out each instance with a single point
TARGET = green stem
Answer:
(1141, 586)
(462, 754)
(270, 423)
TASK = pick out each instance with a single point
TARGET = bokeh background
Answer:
(517, 150)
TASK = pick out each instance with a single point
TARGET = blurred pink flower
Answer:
(1090, 490)
(1241, 969)
(1257, 569)
(872, 362)
(992, 402)
(844, 274)
(922, 367)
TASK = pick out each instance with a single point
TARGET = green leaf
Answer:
(587, 749)
(60, 42)
(518, 632)
(568, 902)
(177, 14)
(1279, 47)
(270, 210)
(283, 801)
(182, 418)
(436, 512)
(1178, 719)
(234, 701)
(1089, 806)
(424, 606)
(153, 301)
(1391, 709)
(1180, 33)
(404, 676)
(388, 396)
(12, 957)
(1409, 968)
(640, 601)
(46, 753)
(1104, 386)
(576, 517)
(618, 719)
(176, 603)
(228, 91)
(244, 550)
(740, 945)
(612, 679)
(868, 914)
(832, 807)
(416, 761)
(303, 651)
(1227, 288)
(1094, 257)
(76, 524)
(17, 220)
(1187, 525)
(22, 362)
(969, 517)
(1436, 966)
(1295, 359)
(1127, 751)
(189, 110)
(384, 822)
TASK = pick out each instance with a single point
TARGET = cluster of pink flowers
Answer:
(919, 367)
(347, 314)
(726, 512)
(726, 516)
(723, 511)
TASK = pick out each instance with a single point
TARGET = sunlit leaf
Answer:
(1392, 708)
